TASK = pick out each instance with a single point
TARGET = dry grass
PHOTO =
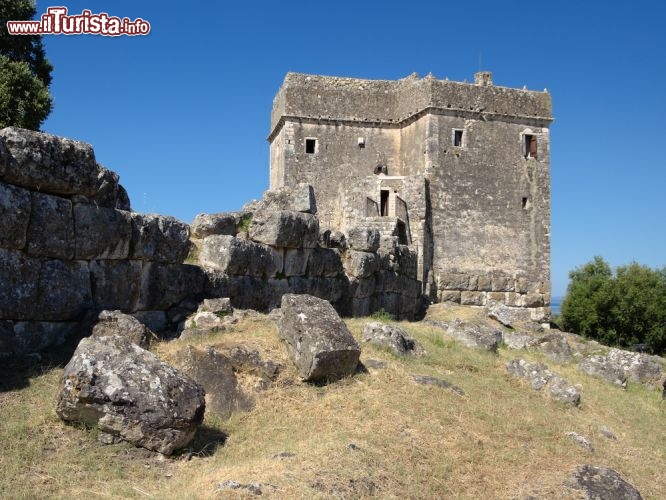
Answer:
(500, 440)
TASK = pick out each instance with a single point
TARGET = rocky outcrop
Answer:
(127, 392)
(601, 367)
(391, 337)
(475, 335)
(539, 376)
(602, 483)
(319, 342)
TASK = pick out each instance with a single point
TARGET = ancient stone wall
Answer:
(254, 257)
(69, 244)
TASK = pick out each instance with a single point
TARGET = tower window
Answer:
(530, 146)
(310, 146)
(525, 203)
(458, 137)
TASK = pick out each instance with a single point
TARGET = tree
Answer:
(623, 309)
(25, 73)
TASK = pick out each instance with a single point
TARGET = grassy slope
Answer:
(500, 440)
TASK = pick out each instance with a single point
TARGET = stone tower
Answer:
(458, 171)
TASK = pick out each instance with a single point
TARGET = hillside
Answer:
(377, 434)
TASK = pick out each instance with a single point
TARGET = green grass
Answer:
(500, 440)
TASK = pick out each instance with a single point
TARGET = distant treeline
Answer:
(625, 308)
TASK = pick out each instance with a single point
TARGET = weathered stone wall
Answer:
(69, 243)
(267, 253)
(491, 214)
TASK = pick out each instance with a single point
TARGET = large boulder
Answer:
(602, 483)
(111, 323)
(318, 340)
(127, 392)
(15, 207)
(475, 335)
(285, 229)
(392, 337)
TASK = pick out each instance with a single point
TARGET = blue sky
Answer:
(183, 113)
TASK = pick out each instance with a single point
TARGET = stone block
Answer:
(49, 290)
(449, 296)
(472, 298)
(533, 300)
(483, 283)
(513, 299)
(296, 261)
(499, 297)
(453, 281)
(363, 239)
(362, 287)
(55, 164)
(101, 233)
(324, 262)
(225, 223)
(284, 229)
(15, 207)
(109, 193)
(297, 198)
(319, 342)
(330, 289)
(360, 307)
(409, 287)
(158, 238)
(502, 283)
(164, 285)
(25, 337)
(51, 230)
(116, 284)
(234, 256)
(522, 284)
(361, 264)
(406, 260)
(64, 291)
(19, 275)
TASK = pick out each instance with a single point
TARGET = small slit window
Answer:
(525, 203)
(310, 146)
(530, 146)
(458, 137)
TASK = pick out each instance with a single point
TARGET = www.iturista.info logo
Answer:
(55, 21)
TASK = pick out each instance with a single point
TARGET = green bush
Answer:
(624, 308)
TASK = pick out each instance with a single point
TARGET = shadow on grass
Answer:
(17, 370)
(206, 442)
